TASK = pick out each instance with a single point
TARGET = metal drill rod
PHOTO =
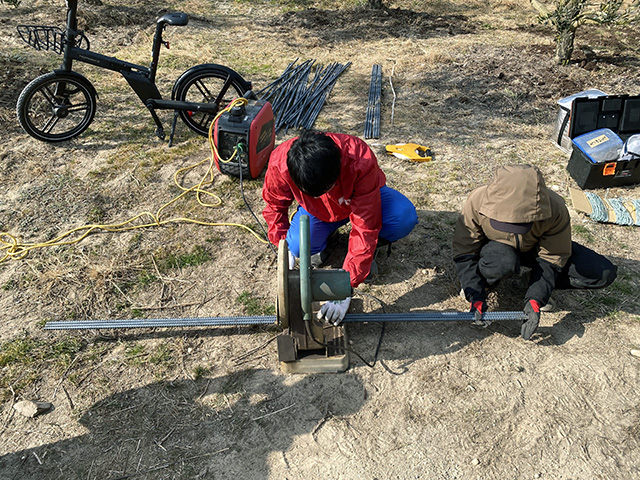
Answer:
(291, 78)
(279, 94)
(369, 112)
(286, 96)
(296, 91)
(298, 101)
(271, 319)
(376, 110)
(372, 96)
(372, 120)
(305, 94)
(314, 110)
(302, 101)
(266, 91)
(305, 268)
(294, 118)
(431, 317)
(312, 114)
(161, 322)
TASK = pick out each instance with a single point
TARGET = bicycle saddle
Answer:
(175, 18)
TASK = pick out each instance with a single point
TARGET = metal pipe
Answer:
(367, 121)
(302, 100)
(372, 118)
(376, 110)
(294, 119)
(305, 112)
(305, 268)
(376, 98)
(296, 92)
(266, 91)
(317, 101)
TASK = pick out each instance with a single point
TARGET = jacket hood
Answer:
(517, 194)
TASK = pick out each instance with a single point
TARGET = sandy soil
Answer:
(474, 81)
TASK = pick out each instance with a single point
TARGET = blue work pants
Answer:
(398, 219)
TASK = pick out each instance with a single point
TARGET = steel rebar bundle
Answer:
(297, 97)
(372, 119)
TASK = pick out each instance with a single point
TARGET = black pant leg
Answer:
(498, 261)
(586, 269)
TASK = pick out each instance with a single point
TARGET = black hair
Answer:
(314, 162)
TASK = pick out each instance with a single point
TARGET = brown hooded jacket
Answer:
(517, 194)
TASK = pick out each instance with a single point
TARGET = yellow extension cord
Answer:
(12, 249)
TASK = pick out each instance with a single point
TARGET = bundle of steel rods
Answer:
(300, 93)
(372, 120)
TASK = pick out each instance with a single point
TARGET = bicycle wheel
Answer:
(56, 106)
(207, 83)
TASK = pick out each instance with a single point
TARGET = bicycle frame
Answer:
(191, 85)
(141, 79)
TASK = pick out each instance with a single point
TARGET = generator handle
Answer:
(250, 95)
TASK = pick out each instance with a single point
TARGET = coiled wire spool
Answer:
(636, 207)
(599, 211)
(623, 217)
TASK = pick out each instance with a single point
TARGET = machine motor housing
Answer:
(250, 129)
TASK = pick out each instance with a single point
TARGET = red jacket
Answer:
(356, 196)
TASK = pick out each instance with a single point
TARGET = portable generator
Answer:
(249, 130)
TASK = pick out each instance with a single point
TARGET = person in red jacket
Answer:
(335, 178)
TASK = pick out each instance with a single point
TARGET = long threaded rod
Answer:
(271, 319)
(431, 317)
(160, 322)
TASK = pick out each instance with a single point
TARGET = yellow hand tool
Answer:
(411, 151)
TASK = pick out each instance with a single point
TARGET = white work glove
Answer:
(334, 311)
(292, 260)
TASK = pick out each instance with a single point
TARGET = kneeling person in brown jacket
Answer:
(514, 222)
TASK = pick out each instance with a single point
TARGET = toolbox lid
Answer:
(602, 145)
(592, 93)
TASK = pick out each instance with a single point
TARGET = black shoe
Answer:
(382, 243)
(491, 287)
(373, 272)
(525, 276)
(319, 259)
(550, 306)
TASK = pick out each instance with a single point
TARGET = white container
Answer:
(561, 131)
(631, 148)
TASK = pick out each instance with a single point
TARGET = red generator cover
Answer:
(249, 131)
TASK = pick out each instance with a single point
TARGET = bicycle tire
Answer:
(56, 106)
(207, 83)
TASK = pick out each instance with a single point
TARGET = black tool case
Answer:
(602, 174)
(621, 115)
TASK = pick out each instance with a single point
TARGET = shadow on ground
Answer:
(217, 427)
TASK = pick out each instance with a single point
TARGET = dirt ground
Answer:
(473, 80)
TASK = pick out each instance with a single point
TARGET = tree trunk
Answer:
(564, 45)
